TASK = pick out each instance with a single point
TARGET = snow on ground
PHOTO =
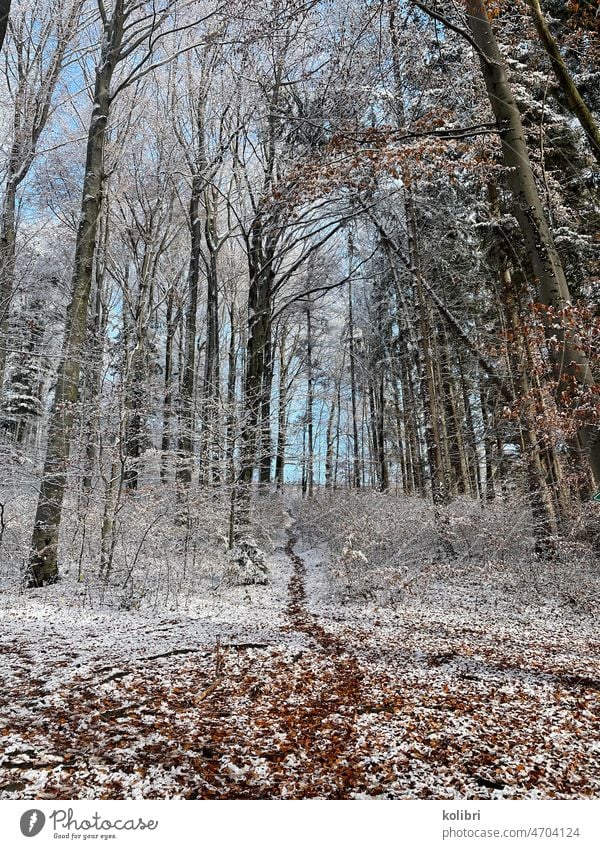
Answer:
(285, 692)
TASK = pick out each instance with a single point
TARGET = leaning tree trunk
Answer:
(572, 95)
(43, 564)
(570, 363)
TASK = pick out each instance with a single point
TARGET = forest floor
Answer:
(284, 692)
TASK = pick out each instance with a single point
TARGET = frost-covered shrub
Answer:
(499, 531)
(248, 564)
(380, 544)
(352, 567)
(392, 548)
(267, 519)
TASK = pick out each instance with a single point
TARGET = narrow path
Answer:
(295, 714)
(345, 698)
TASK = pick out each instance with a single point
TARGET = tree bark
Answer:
(211, 390)
(281, 415)
(230, 435)
(356, 476)
(310, 399)
(168, 389)
(43, 564)
(188, 379)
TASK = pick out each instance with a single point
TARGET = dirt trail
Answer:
(298, 713)
(345, 698)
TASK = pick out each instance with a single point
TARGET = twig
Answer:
(209, 690)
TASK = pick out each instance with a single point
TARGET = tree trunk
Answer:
(353, 394)
(211, 389)
(231, 382)
(7, 268)
(43, 563)
(281, 416)
(471, 439)
(265, 451)
(572, 94)
(310, 398)
(94, 381)
(330, 444)
(258, 348)
(188, 379)
(488, 440)
(4, 13)
(168, 389)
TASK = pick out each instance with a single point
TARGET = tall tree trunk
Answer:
(310, 402)
(330, 444)
(188, 379)
(43, 564)
(384, 477)
(211, 388)
(428, 388)
(456, 442)
(265, 451)
(487, 418)
(282, 415)
(356, 476)
(168, 389)
(231, 382)
(94, 382)
(7, 267)
(411, 419)
(136, 373)
(471, 438)
(258, 348)
(423, 354)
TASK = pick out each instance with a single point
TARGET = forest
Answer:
(299, 399)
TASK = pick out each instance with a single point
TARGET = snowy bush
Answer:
(380, 545)
(391, 549)
(248, 564)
